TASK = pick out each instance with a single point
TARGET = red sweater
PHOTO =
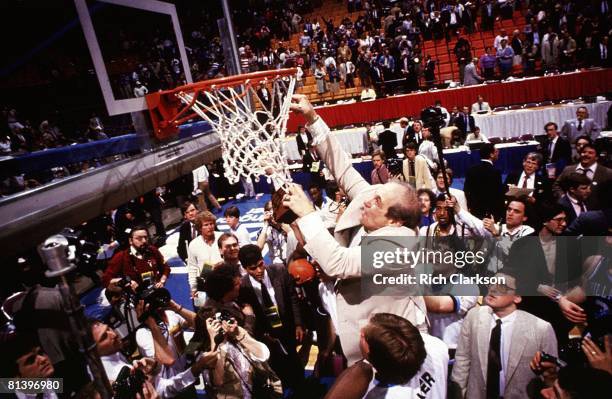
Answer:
(124, 264)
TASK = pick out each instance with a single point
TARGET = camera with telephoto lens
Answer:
(127, 385)
(155, 298)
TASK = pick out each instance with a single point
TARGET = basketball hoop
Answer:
(252, 129)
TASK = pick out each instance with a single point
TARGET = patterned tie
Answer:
(494, 362)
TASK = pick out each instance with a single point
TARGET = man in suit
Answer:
(556, 149)
(496, 343)
(603, 52)
(582, 125)
(577, 192)
(483, 185)
(529, 178)
(471, 76)
(415, 169)
(388, 141)
(270, 291)
(465, 121)
(311, 163)
(480, 105)
(368, 214)
(302, 139)
(188, 230)
(599, 175)
(413, 134)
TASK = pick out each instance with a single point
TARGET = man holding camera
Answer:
(139, 259)
(109, 347)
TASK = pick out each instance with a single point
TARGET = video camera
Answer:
(155, 298)
(127, 385)
(432, 118)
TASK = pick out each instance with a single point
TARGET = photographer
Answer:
(109, 347)
(137, 260)
(240, 356)
(161, 337)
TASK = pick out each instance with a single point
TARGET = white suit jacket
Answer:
(421, 172)
(529, 335)
(338, 260)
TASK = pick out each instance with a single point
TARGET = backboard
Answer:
(156, 15)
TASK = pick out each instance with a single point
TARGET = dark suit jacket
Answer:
(527, 259)
(302, 147)
(388, 141)
(562, 153)
(409, 136)
(570, 213)
(484, 190)
(600, 189)
(460, 123)
(542, 191)
(184, 240)
(286, 299)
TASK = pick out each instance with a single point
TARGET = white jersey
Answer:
(428, 383)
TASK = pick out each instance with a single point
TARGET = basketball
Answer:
(302, 271)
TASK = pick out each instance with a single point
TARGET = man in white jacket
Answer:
(375, 210)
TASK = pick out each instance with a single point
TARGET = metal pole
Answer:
(231, 36)
(54, 253)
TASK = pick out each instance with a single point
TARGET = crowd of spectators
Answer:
(548, 321)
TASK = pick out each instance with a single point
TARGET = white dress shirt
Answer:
(506, 338)
(576, 205)
(530, 181)
(267, 284)
(200, 175)
(165, 387)
(588, 172)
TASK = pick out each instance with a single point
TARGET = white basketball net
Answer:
(251, 142)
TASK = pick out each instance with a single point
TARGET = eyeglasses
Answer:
(559, 219)
(501, 288)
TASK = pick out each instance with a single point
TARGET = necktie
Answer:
(494, 362)
(194, 233)
(550, 150)
(480, 106)
(582, 206)
(265, 296)
(525, 181)
(580, 125)
(411, 168)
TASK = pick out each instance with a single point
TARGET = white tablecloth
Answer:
(518, 122)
